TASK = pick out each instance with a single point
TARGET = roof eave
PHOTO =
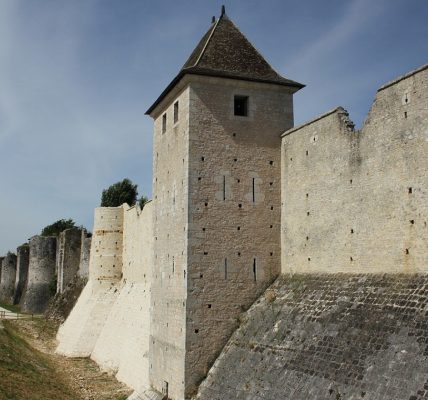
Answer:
(288, 83)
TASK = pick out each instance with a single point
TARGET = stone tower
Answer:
(216, 189)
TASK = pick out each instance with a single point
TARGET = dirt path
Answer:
(83, 375)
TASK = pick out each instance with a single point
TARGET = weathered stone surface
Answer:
(329, 336)
(357, 201)
(68, 257)
(85, 252)
(41, 274)
(22, 264)
(7, 278)
(79, 333)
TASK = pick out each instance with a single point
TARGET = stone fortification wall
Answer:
(41, 274)
(329, 336)
(68, 256)
(8, 277)
(170, 209)
(357, 201)
(234, 198)
(123, 344)
(85, 252)
(78, 335)
(22, 264)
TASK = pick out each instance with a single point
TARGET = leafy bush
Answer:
(57, 227)
(119, 193)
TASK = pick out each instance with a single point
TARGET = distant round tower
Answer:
(105, 262)
(22, 262)
(8, 276)
(41, 274)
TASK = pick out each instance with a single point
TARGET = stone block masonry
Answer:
(329, 336)
(68, 256)
(7, 278)
(85, 251)
(22, 264)
(41, 274)
(357, 200)
(78, 335)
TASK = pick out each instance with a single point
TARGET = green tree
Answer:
(57, 227)
(119, 193)
(143, 200)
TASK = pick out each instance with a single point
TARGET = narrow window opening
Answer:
(270, 183)
(175, 112)
(307, 152)
(238, 180)
(407, 251)
(225, 268)
(196, 330)
(352, 231)
(309, 258)
(271, 253)
(308, 213)
(307, 195)
(184, 274)
(291, 158)
(173, 264)
(350, 181)
(199, 178)
(234, 135)
(412, 221)
(201, 276)
(405, 114)
(239, 254)
(238, 228)
(203, 229)
(202, 158)
(307, 237)
(164, 123)
(235, 159)
(271, 207)
(254, 190)
(410, 190)
(205, 253)
(254, 269)
(206, 204)
(209, 305)
(271, 226)
(271, 162)
(241, 106)
(224, 187)
(240, 205)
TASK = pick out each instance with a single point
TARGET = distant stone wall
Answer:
(41, 274)
(329, 336)
(357, 201)
(85, 252)
(68, 256)
(8, 277)
(22, 264)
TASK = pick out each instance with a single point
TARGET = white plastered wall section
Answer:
(123, 344)
(78, 335)
(356, 201)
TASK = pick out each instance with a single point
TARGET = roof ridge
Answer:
(206, 44)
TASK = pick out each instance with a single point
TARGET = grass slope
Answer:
(25, 373)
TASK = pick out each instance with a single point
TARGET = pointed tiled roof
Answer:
(225, 52)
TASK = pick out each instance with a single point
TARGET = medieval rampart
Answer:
(22, 263)
(41, 274)
(8, 276)
(357, 200)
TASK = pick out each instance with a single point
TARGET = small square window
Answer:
(164, 123)
(176, 112)
(241, 106)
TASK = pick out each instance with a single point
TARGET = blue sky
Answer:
(77, 76)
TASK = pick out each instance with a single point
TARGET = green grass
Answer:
(26, 373)
(10, 307)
